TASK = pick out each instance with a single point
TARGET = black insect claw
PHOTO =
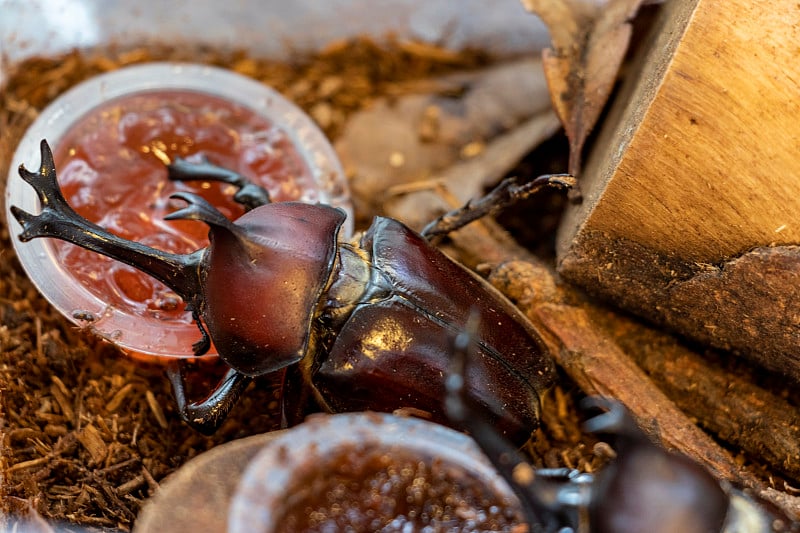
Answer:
(182, 170)
(249, 194)
(614, 421)
(252, 196)
(202, 346)
(561, 181)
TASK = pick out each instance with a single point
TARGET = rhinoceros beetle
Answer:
(361, 325)
(644, 488)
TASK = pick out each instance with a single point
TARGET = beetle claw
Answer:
(202, 346)
(252, 196)
(207, 414)
(616, 420)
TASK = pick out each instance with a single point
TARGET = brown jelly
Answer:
(367, 488)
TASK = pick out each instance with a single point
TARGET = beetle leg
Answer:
(207, 414)
(506, 193)
(248, 194)
(58, 220)
(507, 459)
(296, 397)
(204, 344)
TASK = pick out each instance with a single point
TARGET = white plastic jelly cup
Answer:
(260, 499)
(132, 332)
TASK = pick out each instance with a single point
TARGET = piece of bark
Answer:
(726, 402)
(695, 169)
(599, 366)
(745, 305)
(588, 352)
(589, 41)
(764, 423)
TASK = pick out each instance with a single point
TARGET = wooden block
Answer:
(692, 193)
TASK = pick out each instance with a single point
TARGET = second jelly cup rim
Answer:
(135, 333)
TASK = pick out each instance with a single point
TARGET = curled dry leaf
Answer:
(589, 40)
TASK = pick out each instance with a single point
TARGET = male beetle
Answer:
(368, 321)
(645, 488)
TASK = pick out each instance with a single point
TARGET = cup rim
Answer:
(262, 488)
(134, 333)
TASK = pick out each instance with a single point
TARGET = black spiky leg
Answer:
(207, 414)
(507, 459)
(58, 220)
(506, 193)
(249, 194)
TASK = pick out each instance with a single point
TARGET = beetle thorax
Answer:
(354, 281)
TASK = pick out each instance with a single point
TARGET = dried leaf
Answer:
(589, 41)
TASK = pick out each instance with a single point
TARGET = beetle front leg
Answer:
(249, 194)
(297, 398)
(207, 414)
(506, 193)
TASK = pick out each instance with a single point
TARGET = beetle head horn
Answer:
(58, 220)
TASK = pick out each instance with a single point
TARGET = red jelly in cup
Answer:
(113, 136)
(111, 167)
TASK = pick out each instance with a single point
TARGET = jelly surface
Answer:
(365, 488)
(112, 169)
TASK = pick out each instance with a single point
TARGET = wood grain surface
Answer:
(696, 174)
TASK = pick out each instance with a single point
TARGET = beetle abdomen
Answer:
(395, 352)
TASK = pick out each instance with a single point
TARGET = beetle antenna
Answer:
(507, 459)
(58, 220)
